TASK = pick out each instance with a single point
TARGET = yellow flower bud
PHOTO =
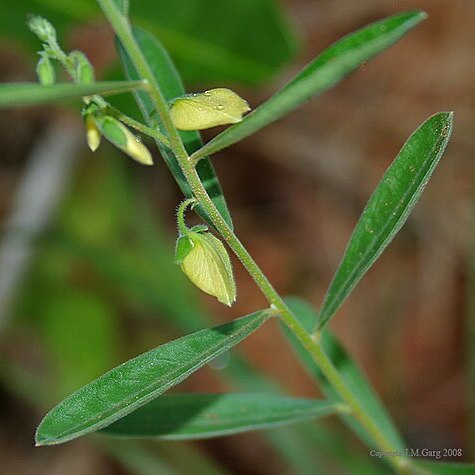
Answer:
(208, 109)
(205, 261)
(93, 135)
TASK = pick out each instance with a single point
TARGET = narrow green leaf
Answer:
(171, 85)
(199, 416)
(348, 370)
(139, 380)
(388, 207)
(24, 94)
(322, 73)
(436, 468)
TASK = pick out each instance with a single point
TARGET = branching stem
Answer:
(121, 27)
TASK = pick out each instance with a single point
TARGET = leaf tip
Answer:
(421, 15)
(413, 18)
(44, 437)
(41, 440)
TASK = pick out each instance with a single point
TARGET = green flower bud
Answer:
(120, 136)
(45, 71)
(205, 261)
(83, 69)
(208, 109)
(42, 28)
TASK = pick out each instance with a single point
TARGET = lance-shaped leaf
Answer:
(199, 416)
(139, 380)
(325, 71)
(388, 208)
(171, 86)
(25, 94)
(349, 372)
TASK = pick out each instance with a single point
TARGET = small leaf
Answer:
(337, 61)
(200, 111)
(139, 380)
(426, 467)
(199, 416)
(205, 261)
(349, 372)
(23, 94)
(171, 86)
(388, 207)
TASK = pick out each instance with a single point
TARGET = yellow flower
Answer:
(208, 109)
(205, 261)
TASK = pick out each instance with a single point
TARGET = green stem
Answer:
(121, 27)
(109, 109)
(134, 124)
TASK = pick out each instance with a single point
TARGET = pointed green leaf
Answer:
(199, 416)
(436, 468)
(139, 380)
(388, 207)
(348, 370)
(171, 86)
(25, 94)
(322, 73)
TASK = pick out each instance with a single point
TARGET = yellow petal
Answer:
(137, 150)
(219, 106)
(93, 135)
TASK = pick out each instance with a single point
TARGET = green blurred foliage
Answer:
(108, 258)
(210, 40)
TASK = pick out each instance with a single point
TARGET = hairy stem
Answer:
(138, 126)
(121, 26)
(180, 216)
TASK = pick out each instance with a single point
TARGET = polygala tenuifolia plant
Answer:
(129, 400)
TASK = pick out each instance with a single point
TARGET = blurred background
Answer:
(87, 278)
